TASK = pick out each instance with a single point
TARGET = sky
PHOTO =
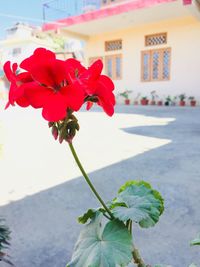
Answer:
(31, 11)
(12, 11)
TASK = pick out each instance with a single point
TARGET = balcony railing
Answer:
(59, 9)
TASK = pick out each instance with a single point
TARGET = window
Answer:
(113, 65)
(93, 59)
(155, 65)
(16, 51)
(156, 39)
(113, 45)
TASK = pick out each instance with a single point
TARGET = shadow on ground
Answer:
(46, 235)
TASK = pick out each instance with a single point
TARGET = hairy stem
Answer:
(137, 258)
(136, 255)
(88, 180)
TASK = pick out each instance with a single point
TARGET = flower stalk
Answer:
(88, 180)
(136, 255)
(137, 258)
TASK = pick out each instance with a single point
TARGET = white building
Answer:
(145, 45)
(21, 40)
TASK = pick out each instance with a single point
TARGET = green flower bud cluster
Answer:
(65, 130)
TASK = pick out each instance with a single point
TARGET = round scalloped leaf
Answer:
(196, 241)
(105, 246)
(141, 206)
(156, 194)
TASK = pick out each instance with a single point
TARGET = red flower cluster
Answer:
(56, 85)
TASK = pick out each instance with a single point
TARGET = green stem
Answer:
(88, 180)
(137, 258)
(136, 255)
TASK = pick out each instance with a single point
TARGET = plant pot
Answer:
(153, 102)
(193, 103)
(144, 102)
(159, 103)
(135, 103)
(127, 101)
(182, 103)
(166, 103)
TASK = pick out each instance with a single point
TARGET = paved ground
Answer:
(160, 145)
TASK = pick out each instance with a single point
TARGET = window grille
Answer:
(156, 39)
(113, 45)
(155, 65)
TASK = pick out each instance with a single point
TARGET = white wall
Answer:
(184, 40)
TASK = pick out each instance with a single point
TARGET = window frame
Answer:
(160, 65)
(113, 57)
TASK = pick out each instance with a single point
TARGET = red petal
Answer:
(95, 70)
(105, 95)
(37, 95)
(49, 72)
(106, 82)
(22, 102)
(54, 108)
(74, 95)
(8, 72)
(40, 55)
(15, 92)
(75, 65)
(14, 67)
(45, 68)
(24, 77)
(7, 105)
(107, 107)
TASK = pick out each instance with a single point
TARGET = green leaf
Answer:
(195, 241)
(4, 242)
(193, 265)
(162, 265)
(86, 216)
(89, 214)
(141, 205)
(105, 246)
(156, 194)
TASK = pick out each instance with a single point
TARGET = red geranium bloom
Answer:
(98, 88)
(54, 91)
(16, 93)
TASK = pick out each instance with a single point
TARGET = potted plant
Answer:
(182, 100)
(144, 101)
(160, 102)
(192, 101)
(153, 98)
(168, 100)
(173, 101)
(136, 99)
(125, 94)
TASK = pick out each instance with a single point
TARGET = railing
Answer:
(58, 9)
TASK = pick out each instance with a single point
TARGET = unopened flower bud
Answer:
(55, 132)
(61, 138)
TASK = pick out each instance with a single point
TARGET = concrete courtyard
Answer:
(42, 192)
